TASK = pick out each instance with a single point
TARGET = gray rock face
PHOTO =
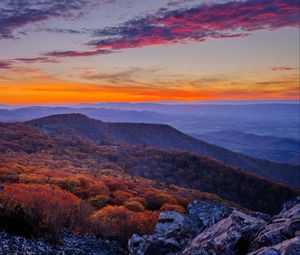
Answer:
(170, 224)
(72, 245)
(174, 231)
(228, 237)
(289, 204)
(152, 245)
(201, 215)
(288, 247)
(284, 226)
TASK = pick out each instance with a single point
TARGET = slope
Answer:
(24, 148)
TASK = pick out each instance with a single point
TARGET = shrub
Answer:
(172, 207)
(51, 208)
(113, 222)
(120, 196)
(99, 201)
(134, 206)
(18, 222)
(144, 222)
(155, 200)
(119, 223)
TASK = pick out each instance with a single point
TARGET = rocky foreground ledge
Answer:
(208, 228)
(72, 245)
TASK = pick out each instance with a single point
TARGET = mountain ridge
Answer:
(164, 136)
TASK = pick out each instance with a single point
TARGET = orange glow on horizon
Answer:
(80, 93)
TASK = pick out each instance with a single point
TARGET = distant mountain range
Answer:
(162, 136)
(267, 147)
(264, 119)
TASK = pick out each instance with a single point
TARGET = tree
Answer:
(50, 207)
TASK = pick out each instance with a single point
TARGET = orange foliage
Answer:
(120, 223)
(99, 201)
(113, 222)
(144, 222)
(120, 196)
(134, 206)
(50, 207)
(156, 199)
(172, 207)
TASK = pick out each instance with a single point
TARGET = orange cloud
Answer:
(33, 86)
(72, 93)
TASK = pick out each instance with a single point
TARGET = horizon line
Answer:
(164, 102)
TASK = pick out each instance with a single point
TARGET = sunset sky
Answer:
(148, 50)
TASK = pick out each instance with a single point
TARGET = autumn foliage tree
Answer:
(113, 222)
(51, 208)
(118, 222)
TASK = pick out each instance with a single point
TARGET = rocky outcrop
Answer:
(291, 203)
(228, 237)
(288, 247)
(174, 231)
(71, 245)
(282, 227)
(212, 228)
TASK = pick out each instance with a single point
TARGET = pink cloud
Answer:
(207, 21)
(5, 64)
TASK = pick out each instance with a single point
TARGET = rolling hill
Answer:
(268, 147)
(162, 136)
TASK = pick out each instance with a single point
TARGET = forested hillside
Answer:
(162, 136)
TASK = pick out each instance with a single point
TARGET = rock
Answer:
(152, 245)
(291, 203)
(201, 215)
(263, 216)
(284, 226)
(170, 224)
(229, 236)
(72, 245)
(288, 247)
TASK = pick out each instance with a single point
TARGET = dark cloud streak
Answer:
(15, 14)
(5, 64)
(37, 60)
(71, 53)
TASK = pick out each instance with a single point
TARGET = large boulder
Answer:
(288, 247)
(229, 236)
(283, 226)
(170, 224)
(201, 215)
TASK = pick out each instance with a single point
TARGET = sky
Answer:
(71, 51)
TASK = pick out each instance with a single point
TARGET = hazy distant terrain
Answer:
(275, 119)
(268, 147)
